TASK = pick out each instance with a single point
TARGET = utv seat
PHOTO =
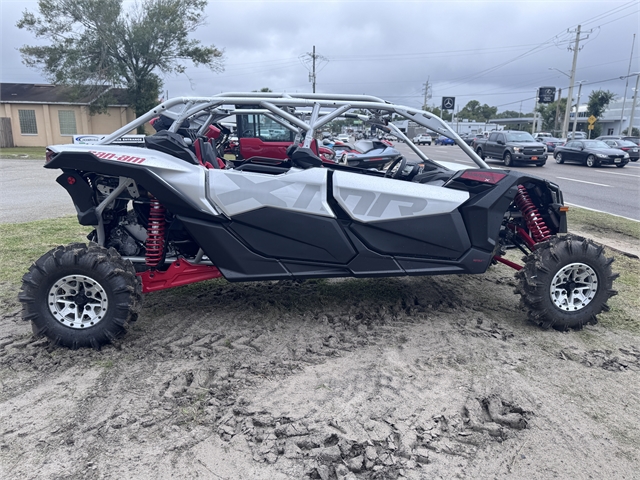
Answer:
(303, 157)
(207, 154)
(171, 144)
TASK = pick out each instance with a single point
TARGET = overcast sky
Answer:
(496, 52)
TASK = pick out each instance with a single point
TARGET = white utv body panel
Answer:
(186, 178)
(371, 199)
(235, 192)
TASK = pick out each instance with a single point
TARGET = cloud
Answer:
(492, 51)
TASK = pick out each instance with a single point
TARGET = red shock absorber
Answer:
(155, 234)
(535, 223)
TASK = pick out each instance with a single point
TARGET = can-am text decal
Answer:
(119, 158)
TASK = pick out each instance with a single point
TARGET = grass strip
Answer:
(23, 152)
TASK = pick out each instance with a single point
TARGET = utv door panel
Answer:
(442, 236)
(232, 257)
(291, 235)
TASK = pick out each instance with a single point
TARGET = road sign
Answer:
(448, 103)
(546, 94)
(590, 127)
(591, 120)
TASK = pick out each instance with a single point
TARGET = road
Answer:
(608, 189)
(30, 192)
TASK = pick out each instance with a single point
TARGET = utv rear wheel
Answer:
(80, 296)
(566, 282)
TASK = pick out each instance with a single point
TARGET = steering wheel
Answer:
(400, 162)
(248, 133)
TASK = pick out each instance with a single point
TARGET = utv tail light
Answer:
(484, 177)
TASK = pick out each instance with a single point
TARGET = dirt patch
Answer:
(437, 377)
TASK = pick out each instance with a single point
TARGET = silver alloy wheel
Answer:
(77, 301)
(573, 287)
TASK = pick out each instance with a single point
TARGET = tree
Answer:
(99, 43)
(598, 102)
(548, 111)
(508, 114)
(476, 112)
(634, 132)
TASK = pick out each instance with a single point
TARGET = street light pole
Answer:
(633, 105)
(575, 118)
(555, 120)
(624, 97)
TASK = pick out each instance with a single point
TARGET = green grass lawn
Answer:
(23, 152)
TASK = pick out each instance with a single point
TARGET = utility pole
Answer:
(575, 117)
(312, 71)
(535, 112)
(427, 92)
(576, 48)
(624, 97)
(314, 68)
(633, 106)
(555, 121)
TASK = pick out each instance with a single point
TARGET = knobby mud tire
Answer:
(115, 279)
(541, 267)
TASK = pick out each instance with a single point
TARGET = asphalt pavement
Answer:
(30, 192)
(607, 189)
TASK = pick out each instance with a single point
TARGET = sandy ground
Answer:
(421, 378)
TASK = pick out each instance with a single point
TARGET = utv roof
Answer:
(301, 112)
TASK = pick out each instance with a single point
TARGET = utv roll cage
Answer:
(302, 113)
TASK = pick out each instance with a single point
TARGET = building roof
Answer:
(58, 94)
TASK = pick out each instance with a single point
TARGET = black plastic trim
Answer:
(234, 260)
(292, 235)
(82, 196)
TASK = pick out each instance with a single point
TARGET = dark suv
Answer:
(512, 146)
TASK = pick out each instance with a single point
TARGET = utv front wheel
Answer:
(566, 282)
(80, 296)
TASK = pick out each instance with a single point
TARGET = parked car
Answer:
(540, 135)
(472, 137)
(344, 137)
(576, 136)
(422, 139)
(635, 140)
(626, 146)
(442, 140)
(591, 153)
(550, 142)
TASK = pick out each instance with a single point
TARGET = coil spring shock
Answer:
(155, 234)
(535, 223)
